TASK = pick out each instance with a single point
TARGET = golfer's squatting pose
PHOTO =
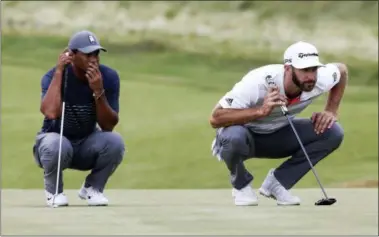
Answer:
(92, 98)
(249, 122)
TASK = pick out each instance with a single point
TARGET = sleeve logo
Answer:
(270, 81)
(229, 101)
(334, 76)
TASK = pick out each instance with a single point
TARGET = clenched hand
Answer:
(323, 120)
(95, 79)
(273, 99)
(64, 58)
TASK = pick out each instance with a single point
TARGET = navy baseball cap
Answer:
(85, 42)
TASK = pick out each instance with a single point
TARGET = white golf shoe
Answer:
(245, 196)
(59, 200)
(273, 189)
(93, 196)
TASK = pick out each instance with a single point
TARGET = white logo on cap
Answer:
(302, 55)
(91, 39)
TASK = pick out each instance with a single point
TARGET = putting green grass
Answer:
(166, 100)
(190, 212)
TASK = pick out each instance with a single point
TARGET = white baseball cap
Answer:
(302, 55)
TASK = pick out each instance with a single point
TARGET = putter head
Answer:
(326, 202)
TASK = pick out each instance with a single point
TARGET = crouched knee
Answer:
(336, 135)
(47, 151)
(115, 146)
(235, 139)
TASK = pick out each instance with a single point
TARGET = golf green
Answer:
(166, 212)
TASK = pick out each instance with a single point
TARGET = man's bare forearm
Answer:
(51, 104)
(336, 93)
(106, 117)
(228, 117)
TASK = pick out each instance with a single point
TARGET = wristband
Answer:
(98, 97)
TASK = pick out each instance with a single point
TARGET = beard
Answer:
(303, 86)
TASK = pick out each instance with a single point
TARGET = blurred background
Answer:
(176, 60)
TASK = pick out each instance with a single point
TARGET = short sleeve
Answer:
(45, 82)
(113, 91)
(328, 77)
(243, 95)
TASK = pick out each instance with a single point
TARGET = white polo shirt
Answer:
(251, 90)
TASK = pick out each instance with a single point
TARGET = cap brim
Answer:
(92, 48)
(307, 64)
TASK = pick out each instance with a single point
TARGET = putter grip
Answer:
(65, 79)
(284, 109)
(271, 83)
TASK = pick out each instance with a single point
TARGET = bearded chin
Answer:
(300, 85)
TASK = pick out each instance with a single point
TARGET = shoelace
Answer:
(248, 191)
(279, 189)
(52, 195)
(93, 192)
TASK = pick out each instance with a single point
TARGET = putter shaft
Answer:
(61, 135)
(285, 113)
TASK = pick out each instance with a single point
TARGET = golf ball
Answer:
(55, 206)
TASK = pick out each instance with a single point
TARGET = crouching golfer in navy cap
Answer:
(91, 96)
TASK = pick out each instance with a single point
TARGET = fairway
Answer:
(195, 212)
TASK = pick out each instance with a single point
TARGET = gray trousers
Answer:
(101, 152)
(237, 144)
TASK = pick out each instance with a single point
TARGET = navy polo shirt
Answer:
(80, 110)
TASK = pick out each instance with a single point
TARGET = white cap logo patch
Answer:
(91, 39)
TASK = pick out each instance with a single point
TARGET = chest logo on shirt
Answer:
(229, 101)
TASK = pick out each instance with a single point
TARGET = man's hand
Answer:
(64, 58)
(95, 79)
(272, 99)
(323, 120)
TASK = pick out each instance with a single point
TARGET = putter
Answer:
(324, 201)
(61, 136)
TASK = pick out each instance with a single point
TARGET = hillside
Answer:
(239, 28)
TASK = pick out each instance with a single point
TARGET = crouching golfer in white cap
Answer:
(91, 113)
(249, 122)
